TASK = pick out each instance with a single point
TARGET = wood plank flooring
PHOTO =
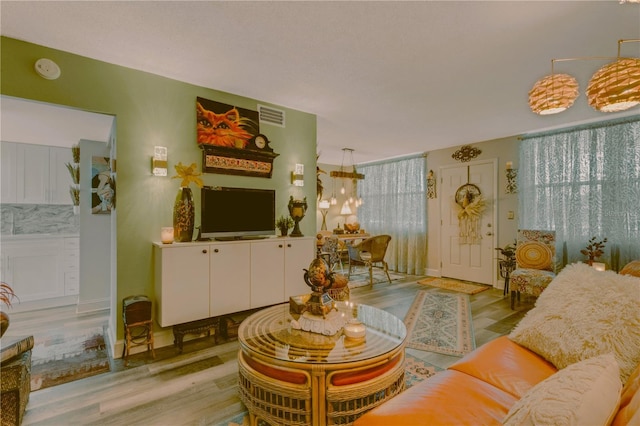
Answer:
(198, 387)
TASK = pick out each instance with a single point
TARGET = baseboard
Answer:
(92, 305)
(433, 273)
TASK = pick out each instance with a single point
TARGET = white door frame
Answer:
(494, 219)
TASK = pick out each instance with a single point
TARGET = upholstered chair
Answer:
(330, 251)
(368, 252)
(535, 263)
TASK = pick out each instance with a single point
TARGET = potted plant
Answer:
(284, 223)
(6, 296)
(594, 250)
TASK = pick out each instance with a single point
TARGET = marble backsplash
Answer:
(24, 219)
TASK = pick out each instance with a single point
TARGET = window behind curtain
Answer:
(583, 183)
(395, 204)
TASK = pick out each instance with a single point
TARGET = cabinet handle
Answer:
(204, 251)
(288, 245)
(216, 250)
(280, 245)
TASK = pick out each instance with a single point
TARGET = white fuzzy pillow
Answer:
(585, 313)
(586, 393)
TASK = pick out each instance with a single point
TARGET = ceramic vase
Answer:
(183, 216)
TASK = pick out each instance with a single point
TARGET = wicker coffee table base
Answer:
(291, 393)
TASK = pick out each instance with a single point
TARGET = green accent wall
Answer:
(153, 110)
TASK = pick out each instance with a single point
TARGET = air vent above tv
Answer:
(270, 115)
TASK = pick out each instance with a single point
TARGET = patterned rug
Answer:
(440, 322)
(64, 357)
(466, 287)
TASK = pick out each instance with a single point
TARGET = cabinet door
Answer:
(8, 172)
(32, 174)
(35, 268)
(230, 278)
(298, 256)
(59, 177)
(267, 272)
(182, 284)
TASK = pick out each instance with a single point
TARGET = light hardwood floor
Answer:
(198, 387)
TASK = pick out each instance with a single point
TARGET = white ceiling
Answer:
(384, 78)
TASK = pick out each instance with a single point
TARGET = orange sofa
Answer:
(485, 386)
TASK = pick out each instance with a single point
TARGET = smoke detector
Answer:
(48, 69)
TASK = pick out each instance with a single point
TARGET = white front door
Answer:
(467, 251)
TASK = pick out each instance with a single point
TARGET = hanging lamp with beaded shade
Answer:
(553, 94)
(616, 86)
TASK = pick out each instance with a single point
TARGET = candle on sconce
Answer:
(166, 235)
(509, 165)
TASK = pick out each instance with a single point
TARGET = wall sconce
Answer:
(431, 185)
(324, 206)
(159, 161)
(297, 176)
(512, 179)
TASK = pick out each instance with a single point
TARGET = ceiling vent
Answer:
(269, 115)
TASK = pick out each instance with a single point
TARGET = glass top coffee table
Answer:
(291, 376)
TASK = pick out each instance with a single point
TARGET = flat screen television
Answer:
(237, 213)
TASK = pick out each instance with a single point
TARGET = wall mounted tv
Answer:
(237, 213)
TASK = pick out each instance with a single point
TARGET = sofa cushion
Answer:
(631, 268)
(506, 365)
(587, 392)
(629, 412)
(449, 397)
(585, 313)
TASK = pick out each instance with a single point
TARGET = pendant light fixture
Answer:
(615, 87)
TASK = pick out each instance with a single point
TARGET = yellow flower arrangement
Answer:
(188, 175)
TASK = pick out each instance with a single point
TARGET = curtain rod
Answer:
(595, 125)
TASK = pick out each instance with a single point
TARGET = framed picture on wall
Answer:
(231, 141)
(102, 186)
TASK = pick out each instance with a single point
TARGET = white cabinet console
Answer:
(199, 280)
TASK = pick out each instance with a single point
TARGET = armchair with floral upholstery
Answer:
(535, 263)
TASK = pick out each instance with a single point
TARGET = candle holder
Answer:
(166, 235)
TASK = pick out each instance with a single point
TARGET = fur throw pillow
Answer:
(585, 313)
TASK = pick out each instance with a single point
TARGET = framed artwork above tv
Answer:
(231, 141)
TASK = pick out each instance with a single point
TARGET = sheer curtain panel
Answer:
(394, 194)
(585, 182)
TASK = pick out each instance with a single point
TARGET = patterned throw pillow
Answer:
(586, 393)
(585, 313)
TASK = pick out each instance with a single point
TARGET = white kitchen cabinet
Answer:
(35, 174)
(8, 172)
(181, 283)
(229, 278)
(205, 279)
(34, 268)
(71, 266)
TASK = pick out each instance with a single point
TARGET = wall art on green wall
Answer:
(231, 141)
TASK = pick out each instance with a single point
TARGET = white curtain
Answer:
(394, 195)
(585, 182)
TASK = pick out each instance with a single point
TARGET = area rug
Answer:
(440, 322)
(466, 287)
(64, 357)
(360, 277)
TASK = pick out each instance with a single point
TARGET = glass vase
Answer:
(183, 216)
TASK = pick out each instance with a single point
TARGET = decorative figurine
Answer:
(297, 210)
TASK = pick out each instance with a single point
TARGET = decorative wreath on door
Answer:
(470, 205)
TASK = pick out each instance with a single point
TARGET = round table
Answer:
(295, 377)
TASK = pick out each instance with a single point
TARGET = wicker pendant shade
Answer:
(553, 94)
(616, 86)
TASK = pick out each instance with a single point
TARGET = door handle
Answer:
(489, 234)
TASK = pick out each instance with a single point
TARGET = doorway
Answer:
(468, 221)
